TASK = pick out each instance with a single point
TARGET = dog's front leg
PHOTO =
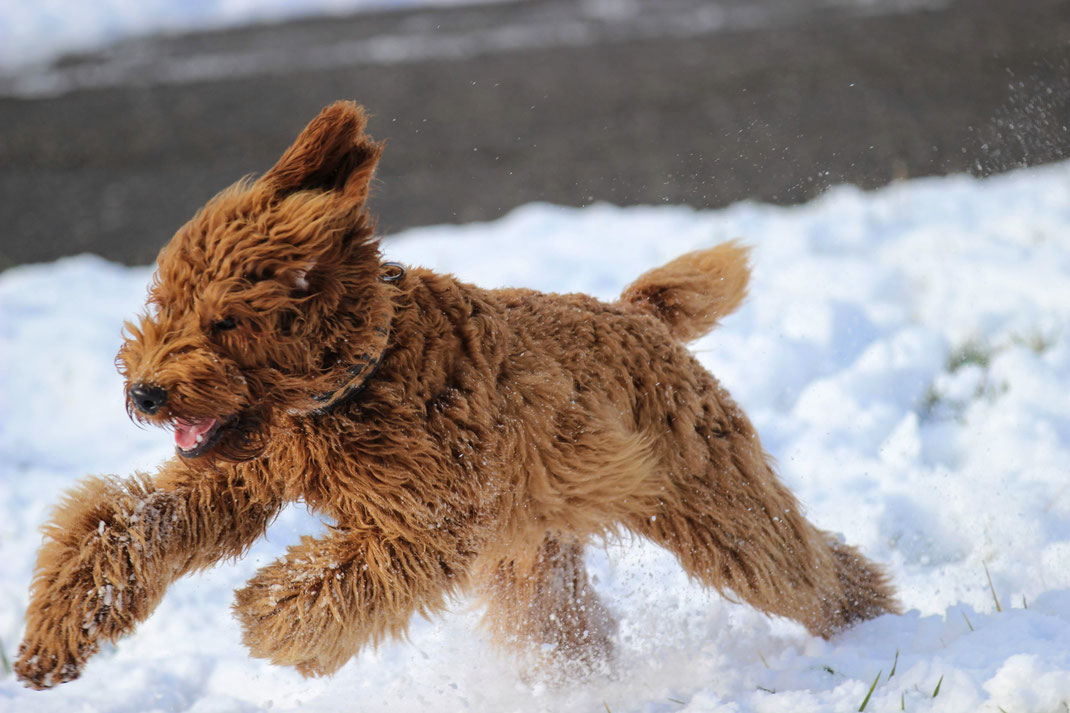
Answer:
(111, 549)
(327, 598)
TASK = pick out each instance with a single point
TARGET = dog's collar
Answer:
(367, 364)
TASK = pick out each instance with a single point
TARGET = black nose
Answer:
(147, 398)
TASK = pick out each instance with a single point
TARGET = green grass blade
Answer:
(894, 664)
(937, 691)
(992, 588)
(3, 659)
(865, 701)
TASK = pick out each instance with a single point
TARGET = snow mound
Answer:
(905, 355)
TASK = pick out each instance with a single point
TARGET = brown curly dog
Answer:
(460, 438)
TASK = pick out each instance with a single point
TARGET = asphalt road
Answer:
(489, 107)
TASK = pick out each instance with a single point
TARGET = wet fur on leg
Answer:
(498, 432)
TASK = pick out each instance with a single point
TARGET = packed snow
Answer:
(905, 355)
(40, 31)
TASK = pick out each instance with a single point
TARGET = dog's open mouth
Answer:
(197, 437)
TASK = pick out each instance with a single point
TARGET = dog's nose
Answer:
(147, 398)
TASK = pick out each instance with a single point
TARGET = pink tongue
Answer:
(187, 432)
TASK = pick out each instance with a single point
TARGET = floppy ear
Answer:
(331, 154)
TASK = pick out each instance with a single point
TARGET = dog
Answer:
(461, 439)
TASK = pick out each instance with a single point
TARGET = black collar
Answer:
(367, 364)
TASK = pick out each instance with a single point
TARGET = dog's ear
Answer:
(332, 154)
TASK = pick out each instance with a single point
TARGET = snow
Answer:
(41, 30)
(34, 33)
(904, 354)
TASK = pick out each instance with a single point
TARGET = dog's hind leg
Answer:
(734, 526)
(328, 597)
(541, 597)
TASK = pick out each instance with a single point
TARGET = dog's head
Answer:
(260, 301)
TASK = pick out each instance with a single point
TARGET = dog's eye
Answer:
(225, 324)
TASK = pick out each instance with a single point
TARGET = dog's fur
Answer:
(488, 436)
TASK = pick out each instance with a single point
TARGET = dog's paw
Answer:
(286, 618)
(62, 633)
(265, 611)
(65, 625)
(47, 662)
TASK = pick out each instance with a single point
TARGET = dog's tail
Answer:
(695, 290)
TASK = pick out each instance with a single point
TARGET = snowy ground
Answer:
(905, 355)
(39, 31)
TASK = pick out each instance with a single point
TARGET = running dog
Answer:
(460, 439)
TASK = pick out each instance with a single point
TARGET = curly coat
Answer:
(460, 438)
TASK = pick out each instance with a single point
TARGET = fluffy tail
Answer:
(695, 290)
